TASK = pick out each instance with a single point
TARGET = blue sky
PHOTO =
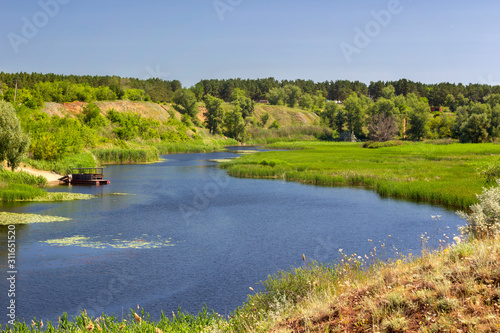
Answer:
(190, 40)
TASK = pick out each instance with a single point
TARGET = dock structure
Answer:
(85, 176)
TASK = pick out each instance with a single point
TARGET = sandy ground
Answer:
(52, 177)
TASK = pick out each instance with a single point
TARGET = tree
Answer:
(355, 109)
(214, 114)
(135, 95)
(276, 96)
(234, 124)
(388, 92)
(185, 102)
(328, 115)
(239, 98)
(293, 94)
(13, 141)
(417, 120)
(319, 101)
(475, 130)
(383, 127)
(306, 102)
(473, 123)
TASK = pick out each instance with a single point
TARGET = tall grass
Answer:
(124, 155)
(64, 165)
(195, 146)
(257, 135)
(15, 192)
(21, 177)
(135, 322)
(445, 174)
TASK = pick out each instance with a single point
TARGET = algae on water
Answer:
(94, 242)
(16, 218)
(61, 196)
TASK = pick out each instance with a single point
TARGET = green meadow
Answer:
(448, 174)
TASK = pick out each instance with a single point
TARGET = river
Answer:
(181, 233)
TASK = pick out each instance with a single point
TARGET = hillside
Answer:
(146, 109)
(285, 116)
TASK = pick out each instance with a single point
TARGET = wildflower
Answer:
(457, 239)
(137, 318)
(90, 326)
(340, 250)
(251, 288)
(304, 257)
(122, 327)
(157, 330)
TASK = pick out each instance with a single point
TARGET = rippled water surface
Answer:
(184, 234)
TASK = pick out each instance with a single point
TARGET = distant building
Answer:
(436, 109)
(264, 101)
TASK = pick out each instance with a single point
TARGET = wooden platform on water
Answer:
(86, 176)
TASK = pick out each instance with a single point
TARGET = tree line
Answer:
(42, 87)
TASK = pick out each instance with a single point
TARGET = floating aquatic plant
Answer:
(94, 242)
(16, 218)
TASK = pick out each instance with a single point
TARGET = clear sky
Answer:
(190, 40)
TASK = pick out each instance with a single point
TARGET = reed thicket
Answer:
(126, 155)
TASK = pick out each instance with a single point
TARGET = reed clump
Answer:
(126, 155)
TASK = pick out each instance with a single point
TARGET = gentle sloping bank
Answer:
(456, 289)
(444, 174)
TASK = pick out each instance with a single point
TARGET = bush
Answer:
(484, 218)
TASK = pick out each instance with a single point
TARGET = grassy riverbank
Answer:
(456, 289)
(446, 174)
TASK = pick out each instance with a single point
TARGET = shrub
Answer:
(484, 218)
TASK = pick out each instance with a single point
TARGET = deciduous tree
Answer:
(13, 141)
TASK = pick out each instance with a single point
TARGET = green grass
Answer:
(177, 322)
(126, 155)
(16, 192)
(195, 146)
(257, 135)
(445, 174)
(64, 165)
(21, 177)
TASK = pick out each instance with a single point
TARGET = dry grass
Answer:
(455, 290)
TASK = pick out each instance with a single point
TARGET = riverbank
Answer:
(455, 289)
(450, 175)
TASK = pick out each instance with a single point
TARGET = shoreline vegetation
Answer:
(450, 174)
(455, 288)
(63, 122)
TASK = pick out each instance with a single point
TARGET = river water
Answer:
(181, 233)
